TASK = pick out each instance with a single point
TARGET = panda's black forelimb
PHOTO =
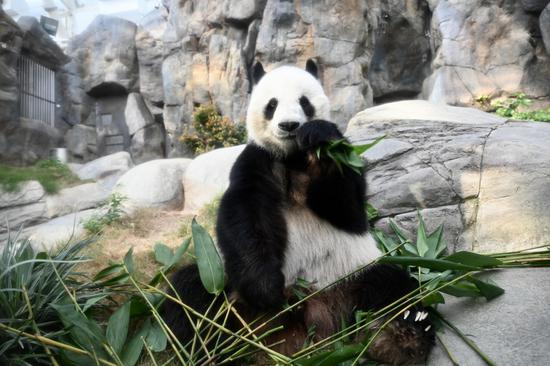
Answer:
(251, 230)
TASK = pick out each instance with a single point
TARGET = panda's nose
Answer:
(289, 126)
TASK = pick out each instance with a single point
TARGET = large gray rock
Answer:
(534, 5)
(207, 177)
(11, 36)
(544, 21)
(81, 141)
(512, 329)
(484, 48)
(105, 54)
(149, 48)
(106, 169)
(485, 178)
(40, 43)
(154, 184)
(77, 198)
(27, 192)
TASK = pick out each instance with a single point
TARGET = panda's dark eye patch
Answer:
(269, 110)
(309, 109)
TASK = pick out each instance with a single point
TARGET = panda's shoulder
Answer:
(253, 160)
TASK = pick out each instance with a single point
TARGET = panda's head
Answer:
(282, 100)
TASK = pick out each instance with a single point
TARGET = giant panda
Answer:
(289, 215)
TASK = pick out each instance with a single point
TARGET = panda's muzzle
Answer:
(288, 126)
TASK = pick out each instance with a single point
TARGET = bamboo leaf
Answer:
(132, 349)
(163, 254)
(333, 357)
(462, 289)
(421, 239)
(488, 290)
(208, 260)
(156, 338)
(436, 264)
(129, 261)
(398, 232)
(112, 269)
(433, 298)
(360, 149)
(473, 259)
(117, 327)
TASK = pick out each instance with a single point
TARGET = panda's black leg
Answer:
(188, 285)
(408, 338)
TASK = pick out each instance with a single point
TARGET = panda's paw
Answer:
(263, 294)
(407, 339)
(315, 133)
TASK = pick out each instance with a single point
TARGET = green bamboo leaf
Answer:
(437, 239)
(433, 298)
(208, 260)
(435, 264)
(156, 338)
(488, 290)
(402, 237)
(180, 251)
(387, 245)
(360, 149)
(117, 327)
(473, 259)
(132, 349)
(129, 261)
(333, 357)
(462, 289)
(163, 254)
(106, 272)
(421, 238)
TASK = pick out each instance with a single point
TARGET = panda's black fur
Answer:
(252, 235)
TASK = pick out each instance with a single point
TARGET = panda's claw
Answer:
(418, 316)
(427, 328)
(406, 314)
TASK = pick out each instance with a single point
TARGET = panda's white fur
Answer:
(287, 84)
(316, 251)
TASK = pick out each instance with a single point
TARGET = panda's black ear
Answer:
(257, 72)
(311, 67)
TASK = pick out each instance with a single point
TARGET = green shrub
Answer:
(96, 223)
(211, 131)
(514, 107)
(51, 174)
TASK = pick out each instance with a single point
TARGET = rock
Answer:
(154, 184)
(137, 114)
(106, 56)
(14, 218)
(544, 21)
(241, 12)
(534, 5)
(12, 37)
(113, 165)
(59, 231)
(28, 192)
(483, 177)
(208, 176)
(147, 144)
(472, 59)
(512, 329)
(81, 141)
(74, 199)
(149, 48)
(42, 45)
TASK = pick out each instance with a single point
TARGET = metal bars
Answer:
(36, 91)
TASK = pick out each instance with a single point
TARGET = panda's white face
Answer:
(283, 100)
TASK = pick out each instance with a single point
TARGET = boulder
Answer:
(106, 168)
(81, 141)
(27, 192)
(11, 38)
(74, 199)
(57, 232)
(207, 177)
(154, 184)
(486, 179)
(544, 21)
(106, 56)
(41, 44)
(534, 5)
(149, 48)
(484, 48)
(512, 329)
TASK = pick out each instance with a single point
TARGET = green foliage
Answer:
(211, 131)
(96, 223)
(344, 153)
(515, 106)
(51, 174)
(208, 260)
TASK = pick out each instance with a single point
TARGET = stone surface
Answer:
(74, 199)
(512, 329)
(81, 141)
(11, 39)
(534, 5)
(485, 48)
(544, 21)
(147, 144)
(59, 231)
(28, 192)
(207, 176)
(149, 48)
(105, 55)
(485, 178)
(111, 165)
(41, 43)
(156, 183)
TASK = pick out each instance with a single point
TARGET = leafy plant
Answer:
(344, 153)
(514, 107)
(210, 131)
(51, 174)
(96, 223)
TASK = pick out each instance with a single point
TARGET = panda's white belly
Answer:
(320, 253)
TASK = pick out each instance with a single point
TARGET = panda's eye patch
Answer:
(308, 109)
(269, 110)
